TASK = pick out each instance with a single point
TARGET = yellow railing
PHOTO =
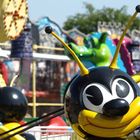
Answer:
(46, 104)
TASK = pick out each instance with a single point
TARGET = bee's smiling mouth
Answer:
(99, 125)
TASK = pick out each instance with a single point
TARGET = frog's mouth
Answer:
(99, 125)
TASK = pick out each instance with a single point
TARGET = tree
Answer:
(87, 22)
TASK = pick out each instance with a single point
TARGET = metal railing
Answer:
(53, 133)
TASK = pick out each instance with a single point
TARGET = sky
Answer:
(60, 10)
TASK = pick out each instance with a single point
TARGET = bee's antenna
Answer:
(13, 80)
(84, 70)
(114, 60)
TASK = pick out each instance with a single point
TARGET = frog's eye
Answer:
(87, 42)
(94, 42)
(122, 89)
(95, 96)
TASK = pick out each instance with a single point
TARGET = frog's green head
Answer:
(94, 42)
(95, 50)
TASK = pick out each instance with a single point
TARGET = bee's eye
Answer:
(122, 89)
(95, 96)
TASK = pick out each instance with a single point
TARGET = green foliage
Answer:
(87, 22)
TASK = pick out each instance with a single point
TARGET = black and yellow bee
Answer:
(103, 102)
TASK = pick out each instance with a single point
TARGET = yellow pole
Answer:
(34, 85)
